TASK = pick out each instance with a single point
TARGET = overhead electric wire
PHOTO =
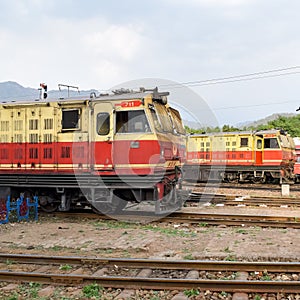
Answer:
(254, 105)
(245, 79)
(213, 81)
(228, 79)
(235, 78)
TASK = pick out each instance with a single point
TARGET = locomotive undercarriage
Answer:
(271, 174)
(105, 195)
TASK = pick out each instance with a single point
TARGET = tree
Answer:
(228, 128)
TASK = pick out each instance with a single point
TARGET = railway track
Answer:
(234, 200)
(233, 219)
(149, 273)
(242, 186)
(198, 218)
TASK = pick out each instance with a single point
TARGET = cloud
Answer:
(88, 52)
(215, 4)
(218, 2)
(113, 41)
(100, 44)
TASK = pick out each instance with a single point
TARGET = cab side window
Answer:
(259, 144)
(103, 123)
(244, 142)
(70, 119)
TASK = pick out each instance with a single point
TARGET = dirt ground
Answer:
(100, 238)
(51, 235)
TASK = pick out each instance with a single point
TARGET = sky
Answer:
(97, 44)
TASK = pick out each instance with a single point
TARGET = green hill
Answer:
(291, 124)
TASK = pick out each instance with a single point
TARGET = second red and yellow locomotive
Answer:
(261, 156)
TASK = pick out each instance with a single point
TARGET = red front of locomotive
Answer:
(140, 141)
(297, 159)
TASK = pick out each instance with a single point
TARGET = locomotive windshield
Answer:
(163, 117)
(286, 141)
(271, 143)
(176, 120)
(132, 121)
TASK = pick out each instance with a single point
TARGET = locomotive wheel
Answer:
(231, 179)
(265, 179)
(50, 207)
(48, 204)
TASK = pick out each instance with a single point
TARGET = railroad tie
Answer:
(125, 295)
(100, 272)
(193, 274)
(43, 269)
(128, 294)
(144, 273)
(241, 296)
(180, 296)
(46, 292)
(78, 271)
(241, 275)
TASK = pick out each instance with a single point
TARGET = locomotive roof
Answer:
(122, 95)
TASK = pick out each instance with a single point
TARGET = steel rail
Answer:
(222, 198)
(257, 202)
(196, 218)
(154, 283)
(233, 219)
(244, 202)
(242, 186)
(287, 267)
(201, 215)
(77, 277)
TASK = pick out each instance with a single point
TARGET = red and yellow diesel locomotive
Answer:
(108, 150)
(297, 163)
(261, 156)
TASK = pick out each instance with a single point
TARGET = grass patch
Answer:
(65, 267)
(189, 257)
(265, 276)
(31, 290)
(113, 225)
(92, 291)
(9, 262)
(164, 230)
(170, 231)
(56, 248)
(191, 292)
(230, 258)
(227, 250)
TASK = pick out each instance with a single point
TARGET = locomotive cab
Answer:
(277, 156)
(139, 142)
